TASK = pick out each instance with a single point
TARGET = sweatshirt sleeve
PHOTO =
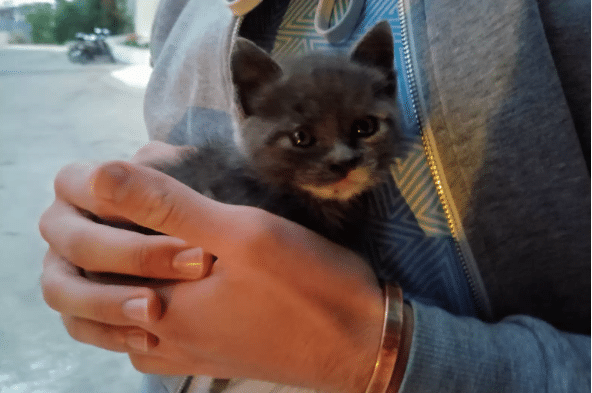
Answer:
(517, 354)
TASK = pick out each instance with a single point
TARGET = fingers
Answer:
(149, 364)
(156, 152)
(112, 338)
(154, 200)
(72, 185)
(146, 352)
(67, 292)
(164, 362)
(97, 247)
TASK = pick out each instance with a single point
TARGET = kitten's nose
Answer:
(343, 167)
(343, 158)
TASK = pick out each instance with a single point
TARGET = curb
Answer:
(138, 72)
(136, 75)
(127, 54)
(51, 48)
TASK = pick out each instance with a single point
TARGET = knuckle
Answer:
(146, 197)
(144, 260)
(146, 149)
(74, 246)
(49, 292)
(257, 229)
(43, 225)
(63, 181)
(140, 363)
(149, 153)
(111, 181)
(53, 284)
(74, 328)
(61, 178)
(160, 210)
(100, 209)
(50, 221)
(101, 312)
(115, 169)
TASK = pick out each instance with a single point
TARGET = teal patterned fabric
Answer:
(408, 240)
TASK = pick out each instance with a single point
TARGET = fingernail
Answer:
(109, 181)
(189, 262)
(136, 309)
(137, 341)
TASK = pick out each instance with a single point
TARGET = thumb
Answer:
(154, 200)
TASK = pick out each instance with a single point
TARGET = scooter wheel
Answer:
(76, 55)
(85, 58)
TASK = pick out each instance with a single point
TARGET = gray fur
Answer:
(329, 101)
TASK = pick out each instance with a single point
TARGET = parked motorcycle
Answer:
(88, 46)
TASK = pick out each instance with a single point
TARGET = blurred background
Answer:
(54, 111)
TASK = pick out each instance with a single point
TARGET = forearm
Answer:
(518, 354)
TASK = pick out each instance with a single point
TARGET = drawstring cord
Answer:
(343, 28)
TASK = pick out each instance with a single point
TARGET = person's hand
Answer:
(280, 303)
(159, 152)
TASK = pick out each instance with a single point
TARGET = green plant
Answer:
(60, 24)
(133, 41)
(70, 18)
(84, 15)
(41, 19)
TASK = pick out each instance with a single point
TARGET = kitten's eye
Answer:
(365, 127)
(302, 138)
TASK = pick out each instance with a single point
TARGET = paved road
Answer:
(52, 113)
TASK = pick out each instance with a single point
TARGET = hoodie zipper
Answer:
(461, 245)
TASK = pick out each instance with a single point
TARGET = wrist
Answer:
(357, 350)
(404, 350)
(395, 343)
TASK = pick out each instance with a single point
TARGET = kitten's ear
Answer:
(376, 49)
(252, 68)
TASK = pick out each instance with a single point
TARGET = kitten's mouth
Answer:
(356, 182)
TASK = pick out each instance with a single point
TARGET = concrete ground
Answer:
(52, 113)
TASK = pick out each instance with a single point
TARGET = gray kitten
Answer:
(315, 133)
(313, 136)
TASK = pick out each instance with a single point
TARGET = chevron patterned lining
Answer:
(409, 240)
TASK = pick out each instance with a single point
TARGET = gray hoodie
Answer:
(491, 237)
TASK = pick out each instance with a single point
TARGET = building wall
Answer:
(13, 26)
(144, 15)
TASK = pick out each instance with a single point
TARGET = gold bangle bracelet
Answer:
(390, 340)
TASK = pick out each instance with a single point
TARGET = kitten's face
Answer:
(324, 125)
